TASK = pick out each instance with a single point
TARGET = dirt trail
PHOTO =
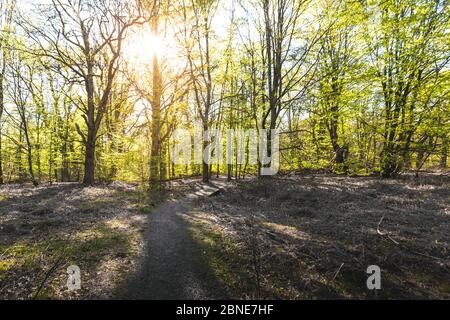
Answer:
(171, 267)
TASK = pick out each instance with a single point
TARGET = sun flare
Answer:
(142, 46)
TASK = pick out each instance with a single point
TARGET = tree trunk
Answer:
(163, 163)
(1, 161)
(89, 159)
(65, 167)
(2, 105)
(444, 153)
(205, 166)
(205, 172)
(65, 175)
(29, 155)
(156, 119)
(90, 140)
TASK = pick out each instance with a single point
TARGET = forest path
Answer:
(171, 267)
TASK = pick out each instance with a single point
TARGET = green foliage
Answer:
(362, 87)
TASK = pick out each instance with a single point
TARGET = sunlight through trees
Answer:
(93, 91)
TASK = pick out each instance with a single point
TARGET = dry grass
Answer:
(291, 237)
(314, 236)
(46, 229)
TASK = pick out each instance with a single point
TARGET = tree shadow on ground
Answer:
(58, 225)
(171, 267)
(316, 236)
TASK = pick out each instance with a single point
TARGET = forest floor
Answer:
(104, 230)
(288, 237)
(46, 229)
(172, 265)
(313, 237)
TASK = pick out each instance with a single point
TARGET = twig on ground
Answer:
(215, 193)
(338, 270)
(385, 234)
(402, 245)
(47, 275)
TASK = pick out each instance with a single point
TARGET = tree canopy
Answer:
(93, 91)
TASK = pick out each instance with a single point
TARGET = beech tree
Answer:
(359, 93)
(87, 39)
(409, 50)
(6, 15)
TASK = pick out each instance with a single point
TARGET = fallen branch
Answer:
(47, 275)
(337, 272)
(385, 234)
(400, 244)
(215, 193)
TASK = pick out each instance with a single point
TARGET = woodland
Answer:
(93, 91)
